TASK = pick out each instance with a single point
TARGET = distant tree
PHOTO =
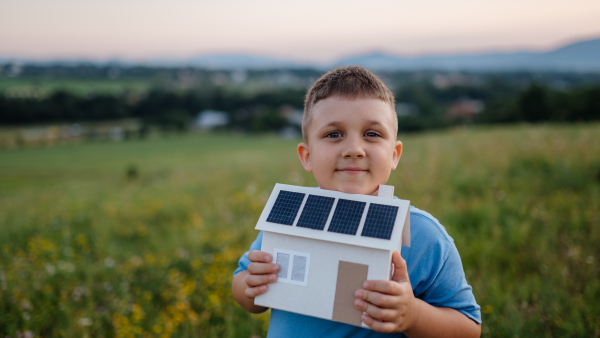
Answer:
(503, 109)
(589, 108)
(422, 96)
(175, 120)
(267, 119)
(103, 107)
(533, 104)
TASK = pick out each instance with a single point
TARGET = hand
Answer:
(260, 273)
(390, 306)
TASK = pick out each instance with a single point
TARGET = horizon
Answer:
(158, 58)
(66, 29)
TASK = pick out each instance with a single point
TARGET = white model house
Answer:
(327, 244)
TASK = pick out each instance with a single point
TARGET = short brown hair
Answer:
(350, 82)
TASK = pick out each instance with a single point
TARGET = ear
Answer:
(396, 155)
(304, 155)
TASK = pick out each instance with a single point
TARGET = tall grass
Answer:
(89, 249)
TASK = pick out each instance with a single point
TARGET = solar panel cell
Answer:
(315, 212)
(380, 221)
(286, 207)
(346, 217)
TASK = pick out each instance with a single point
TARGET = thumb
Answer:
(400, 270)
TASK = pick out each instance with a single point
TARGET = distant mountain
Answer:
(382, 61)
(580, 56)
(227, 61)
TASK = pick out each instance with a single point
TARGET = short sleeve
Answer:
(450, 288)
(244, 260)
(435, 268)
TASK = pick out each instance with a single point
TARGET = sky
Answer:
(307, 30)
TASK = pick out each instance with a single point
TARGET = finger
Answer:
(375, 311)
(262, 268)
(253, 292)
(383, 286)
(379, 299)
(385, 327)
(259, 256)
(256, 280)
(400, 270)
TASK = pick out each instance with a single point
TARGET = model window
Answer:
(283, 260)
(299, 268)
(293, 266)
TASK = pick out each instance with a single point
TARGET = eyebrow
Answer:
(333, 124)
(373, 122)
(337, 123)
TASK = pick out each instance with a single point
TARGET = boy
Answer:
(349, 129)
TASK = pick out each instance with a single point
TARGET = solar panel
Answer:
(315, 212)
(285, 207)
(346, 217)
(380, 221)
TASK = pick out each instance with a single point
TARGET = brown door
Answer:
(350, 278)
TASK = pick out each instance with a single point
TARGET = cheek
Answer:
(322, 164)
(382, 159)
(323, 157)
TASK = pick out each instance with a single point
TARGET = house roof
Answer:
(333, 216)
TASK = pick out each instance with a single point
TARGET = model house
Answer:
(327, 244)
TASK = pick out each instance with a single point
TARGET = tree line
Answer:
(503, 104)
(168, 110)
(261, 111)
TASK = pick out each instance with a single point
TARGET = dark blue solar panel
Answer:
(315, 212)
(346, 217)
(286, 207)
(380, 221)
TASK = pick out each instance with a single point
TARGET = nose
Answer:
(354, 148)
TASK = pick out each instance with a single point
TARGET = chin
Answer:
(349, 187)
(356, 189)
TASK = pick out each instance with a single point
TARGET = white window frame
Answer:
(288, 278)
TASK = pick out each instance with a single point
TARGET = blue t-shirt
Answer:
(435, 272)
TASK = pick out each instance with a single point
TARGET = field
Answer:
(140, 238)
(41, 86)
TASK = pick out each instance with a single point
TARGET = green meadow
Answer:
(140, 238)
(43, 86)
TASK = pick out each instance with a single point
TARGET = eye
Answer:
(333, 134)
(372, 134)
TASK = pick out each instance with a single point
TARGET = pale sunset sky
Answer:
(308, 30)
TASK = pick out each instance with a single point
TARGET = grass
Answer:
(141, 238)
(41, 86)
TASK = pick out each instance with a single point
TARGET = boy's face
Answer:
(352, 145)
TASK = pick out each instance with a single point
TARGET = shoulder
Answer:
(427, 227)
(430, 248)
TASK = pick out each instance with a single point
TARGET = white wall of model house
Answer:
(317, 298)
(309, 259)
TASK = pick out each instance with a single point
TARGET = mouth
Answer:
(352, 170)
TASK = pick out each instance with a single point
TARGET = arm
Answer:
(442, 322)
(248, 284)
(390, 306)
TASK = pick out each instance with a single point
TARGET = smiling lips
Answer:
(352, 170)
